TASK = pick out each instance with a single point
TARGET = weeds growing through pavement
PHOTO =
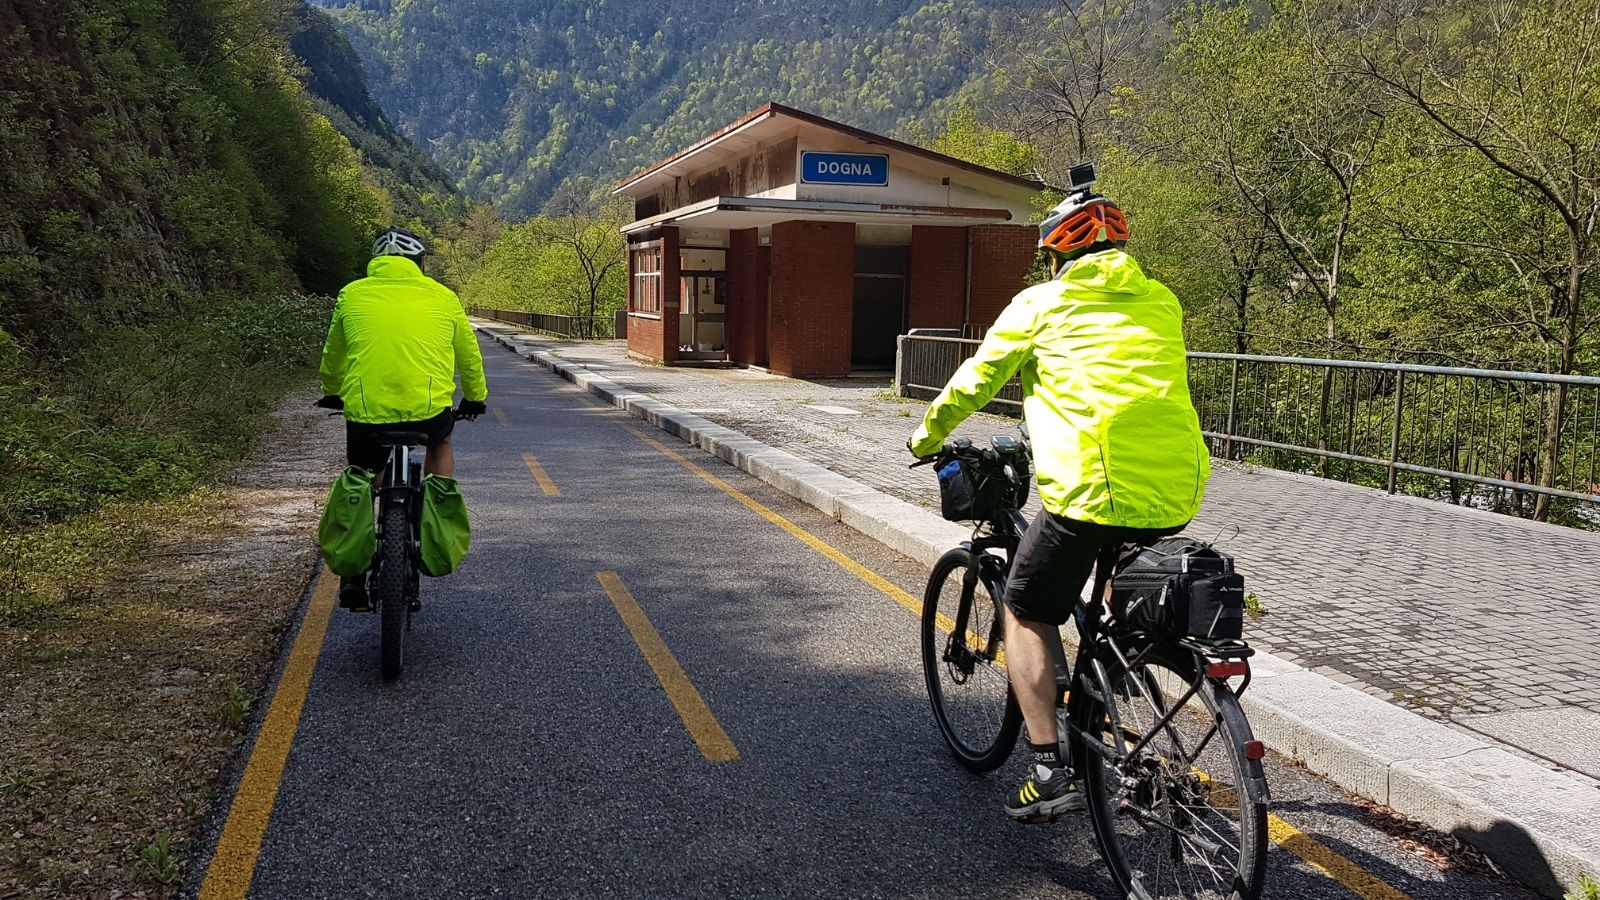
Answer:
(1588, 889)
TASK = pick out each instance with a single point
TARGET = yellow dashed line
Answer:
(539, 475)
(234, 863)
(714, 743)
(500, 416)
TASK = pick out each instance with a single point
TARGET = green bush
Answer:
(144, 412)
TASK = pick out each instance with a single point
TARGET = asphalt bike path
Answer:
(656, 676)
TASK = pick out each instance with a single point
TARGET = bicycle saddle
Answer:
(402, 438)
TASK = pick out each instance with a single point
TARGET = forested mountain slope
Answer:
(168, 187)
(335, 78)
(515, 96)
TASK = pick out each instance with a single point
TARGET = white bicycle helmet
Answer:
(399, 242)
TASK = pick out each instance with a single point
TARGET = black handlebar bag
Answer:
(1179, 587)
(967, 492)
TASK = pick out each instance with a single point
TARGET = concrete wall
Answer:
(938, 279)
(913, 181)
(813, 289)
(763, 171)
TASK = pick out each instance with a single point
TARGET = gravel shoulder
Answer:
(121, 709)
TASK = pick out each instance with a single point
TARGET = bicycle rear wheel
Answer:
(963, 663)
(392, 596)
(1185, 816)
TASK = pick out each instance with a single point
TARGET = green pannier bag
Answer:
(347, 534)
(446, 533)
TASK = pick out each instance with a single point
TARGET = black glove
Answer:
(331, 401)
(471, 409)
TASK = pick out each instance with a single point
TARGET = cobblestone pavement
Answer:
(1466, 616)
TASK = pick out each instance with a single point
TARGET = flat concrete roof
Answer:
(774, 117)
(753, 212)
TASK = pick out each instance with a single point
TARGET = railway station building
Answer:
(804, 246)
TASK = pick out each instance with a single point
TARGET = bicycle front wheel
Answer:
(394, 576)
(1184, 813)
(964, 665)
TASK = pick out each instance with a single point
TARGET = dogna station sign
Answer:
(844, 168)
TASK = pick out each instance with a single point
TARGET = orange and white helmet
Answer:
(1081, 221)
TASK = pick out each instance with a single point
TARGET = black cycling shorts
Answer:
(361, 438)
(1054, 561)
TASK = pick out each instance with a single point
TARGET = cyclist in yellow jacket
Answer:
(397, 340)
(1117, 445)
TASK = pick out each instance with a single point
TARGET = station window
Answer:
(646, 295)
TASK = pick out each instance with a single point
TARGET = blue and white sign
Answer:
(844, 168)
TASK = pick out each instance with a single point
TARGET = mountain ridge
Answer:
(515, 98)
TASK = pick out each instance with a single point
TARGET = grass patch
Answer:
(1252, 605)
(236, 707)
(1587, 889)
(49, 572)
(157, 860)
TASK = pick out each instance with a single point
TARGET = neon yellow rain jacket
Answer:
(397, 339)
(1105, 393)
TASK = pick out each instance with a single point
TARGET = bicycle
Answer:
(1170, 771)
(394, 581)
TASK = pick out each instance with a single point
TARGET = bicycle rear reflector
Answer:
(1254, 750)
(1227, 670)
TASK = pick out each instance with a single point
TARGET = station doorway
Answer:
(702, 316)
(878, 311)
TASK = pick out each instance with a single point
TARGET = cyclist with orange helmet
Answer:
(1117, 446)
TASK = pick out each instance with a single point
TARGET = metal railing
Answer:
(580, 327)
(1482, 437)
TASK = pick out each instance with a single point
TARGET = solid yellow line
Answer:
(1355, 879)
(500, 416)
(714, 743)
(539, 475)
(881, 584)
(234, 864)
(1348, 874)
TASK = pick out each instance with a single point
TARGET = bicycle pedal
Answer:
(1038, 820)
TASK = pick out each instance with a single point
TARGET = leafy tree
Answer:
(1517, 89)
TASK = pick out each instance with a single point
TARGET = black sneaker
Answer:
(353, 594)
(1042, 801)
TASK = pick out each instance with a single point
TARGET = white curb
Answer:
(1540, 825)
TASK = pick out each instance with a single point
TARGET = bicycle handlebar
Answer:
(455, 413)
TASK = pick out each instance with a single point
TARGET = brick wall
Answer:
(747, 297)
(938, 282)
(813, 289)
(1001, 255)
(657, 338)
